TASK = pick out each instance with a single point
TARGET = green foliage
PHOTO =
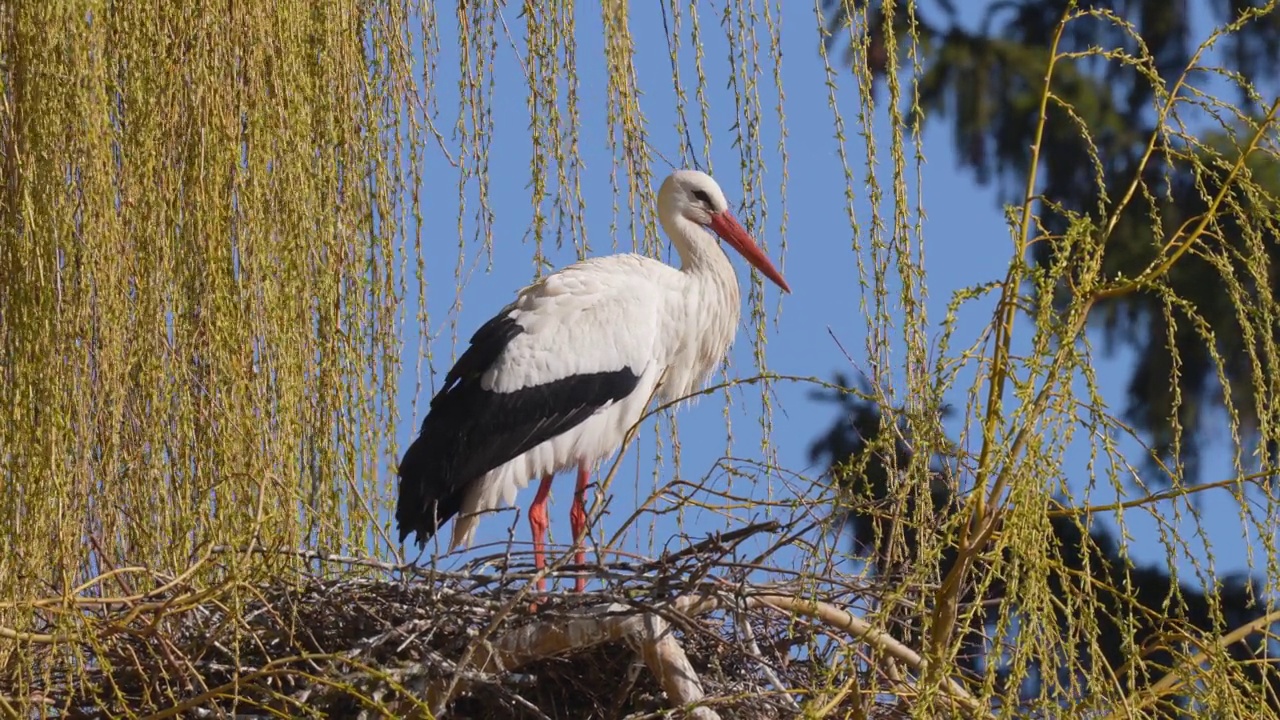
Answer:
(1122, 203)
(1141, 613)
(197, 336)
(1140, 133)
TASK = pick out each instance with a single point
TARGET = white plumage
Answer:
(559, 376)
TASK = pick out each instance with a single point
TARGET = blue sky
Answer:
(965, 237)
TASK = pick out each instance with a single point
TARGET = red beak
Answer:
(731, 231)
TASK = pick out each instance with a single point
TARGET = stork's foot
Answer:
(538, 524)
(578, 519)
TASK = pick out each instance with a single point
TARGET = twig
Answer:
(718, 542)
(749, 634)
(416, 680)
(1174, 678)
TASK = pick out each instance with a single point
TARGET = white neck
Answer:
(710, 308)
(700, 254)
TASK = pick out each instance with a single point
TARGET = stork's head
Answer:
(693, 196)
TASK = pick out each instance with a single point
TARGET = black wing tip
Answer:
(422, 533)
(418, 497)
(420, 510)
(424, 525)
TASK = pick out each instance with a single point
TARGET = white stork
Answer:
(558, 377)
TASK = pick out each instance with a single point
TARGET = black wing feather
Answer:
(469, 430)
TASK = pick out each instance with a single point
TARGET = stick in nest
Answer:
(648, 633)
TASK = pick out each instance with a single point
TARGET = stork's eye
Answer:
(702, 197)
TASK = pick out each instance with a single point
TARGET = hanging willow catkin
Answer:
(196, 297)
(209, 250)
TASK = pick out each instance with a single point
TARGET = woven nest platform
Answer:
(673, 638)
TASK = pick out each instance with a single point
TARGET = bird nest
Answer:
(680, 634)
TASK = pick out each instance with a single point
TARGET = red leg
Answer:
(538, 524)
(578, 518)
